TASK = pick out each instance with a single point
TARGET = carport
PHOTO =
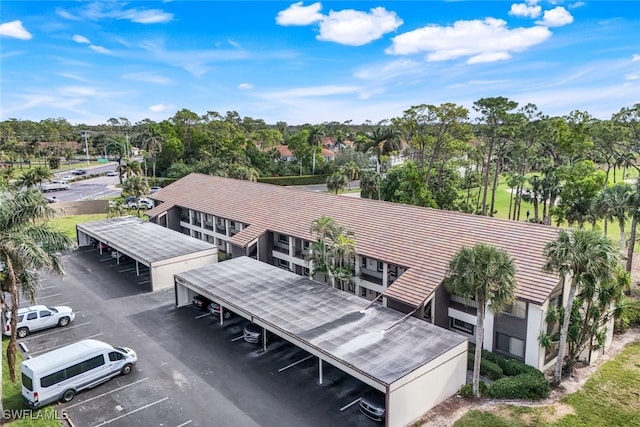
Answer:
(417, 365)
(164, 251)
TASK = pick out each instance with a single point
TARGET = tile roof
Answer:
(422, 239)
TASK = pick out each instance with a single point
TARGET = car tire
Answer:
(64, 321)
(22, 332)
(68, 395)
(126, 369)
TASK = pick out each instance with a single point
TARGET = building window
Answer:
(462, 326)
(518, 309)
(380, 266)
(283, 238)
(197, 235)
(232, 224)
(283, 264)
(510, 345)
(364, 262)
(363, 292)
(427, 311)
(306, 271)
(393, 270)
(306, 245)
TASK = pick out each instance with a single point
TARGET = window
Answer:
(518, 309)
(364, 262)
(19, 318)
(283, 238)
(72, 371)
(393, 270)
(232, 224)
(115, 355)
(45, 313)
(32, 316)
(27, 382)
(427, 310)
(306, 245)
(462, 326)
(92, 363)
(283, 264)
(306, 271)
(363, 292)
(380, 266)
(52, 379)
(510, 345)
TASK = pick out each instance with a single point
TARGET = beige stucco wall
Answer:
(81, 207)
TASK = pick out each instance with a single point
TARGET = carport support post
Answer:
(264, 334)
(319, 371)
(137, 268)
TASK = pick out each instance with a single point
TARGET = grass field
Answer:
(12, 398)
(67, 224)
(609, 398)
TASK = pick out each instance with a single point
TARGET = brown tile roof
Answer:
(422, 239)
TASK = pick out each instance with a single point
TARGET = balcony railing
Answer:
(370, 278)
(208, 226)
(233, 231)
(221, 230)
(463, 301)
(300, 253)
(281, 249)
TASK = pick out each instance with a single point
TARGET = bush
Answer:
(487, 367)
(523, 386)
(510, 367)
(294, 180)
(467, 390)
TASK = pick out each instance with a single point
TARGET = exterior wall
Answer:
(534, 352)
(162, 272)
(439, 308)
(418, 392)
(81, 207)
(264, 248)
(83, 239)
(399, 306)
(237, 251)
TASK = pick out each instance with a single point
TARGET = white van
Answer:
(60, 374)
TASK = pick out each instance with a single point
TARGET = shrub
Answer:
(487, 367)
(294, 180)
(523, 386)
(467, 390)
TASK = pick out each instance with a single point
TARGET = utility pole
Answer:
(85, 135)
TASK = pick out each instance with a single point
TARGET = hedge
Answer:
(523, 386)
(487, 367)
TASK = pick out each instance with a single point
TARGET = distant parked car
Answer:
(79, 172)
(372, 405)
(52, 199)
(118, 256)
(39, 317)
(154, 189)
(143, 203)
(214, 308)
(112, 173)
(200, 302)
(252, 333)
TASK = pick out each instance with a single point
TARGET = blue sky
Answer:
(312, 62)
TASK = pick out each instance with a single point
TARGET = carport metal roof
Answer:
(330, 321)
(144, 241)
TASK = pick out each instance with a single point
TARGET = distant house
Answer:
(285, 154)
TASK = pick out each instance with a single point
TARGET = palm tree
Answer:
(336, 182)
(351, 170)
(28, 246)
(314, 139)
(153, 139)
(613, 202)
(485, 274)
(128, 169)
(382, 141)
(42, 174)
(137, 187)
(579, 256)
(370, 185)
(333, 253)
(634, 213)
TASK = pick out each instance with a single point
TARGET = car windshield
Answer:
(53, 309)
(120, 348)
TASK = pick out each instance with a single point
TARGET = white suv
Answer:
(39, 317)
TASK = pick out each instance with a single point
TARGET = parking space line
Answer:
(237, 338)
(144, 282)
(49, 296)
(109, 392)
(184, 424)
(57, 330)
(126, 269)
(350, 404)
(132, 412)
(295, 363)
(203, 315)
(58, 346)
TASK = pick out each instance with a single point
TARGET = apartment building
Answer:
(403, 251)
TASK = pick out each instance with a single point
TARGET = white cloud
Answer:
(151, 16)
(632, 77)
(234, 43)
(390, 70)
(99, 49)
(81, 39)
(315, 91)
(576, 5)
(525, 10)
(482, 41)
(355, 28)
(297, 14)
(556, 17)
(635, 57)
(147, 78)
(66, 15)
(77, 91)
(161, 107)
(14, 29)
(245, 86)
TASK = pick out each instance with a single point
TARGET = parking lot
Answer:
(191, 371)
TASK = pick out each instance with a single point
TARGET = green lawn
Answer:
(609, 398)
(67, 224)
(12, 398)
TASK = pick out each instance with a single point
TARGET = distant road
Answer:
(89, 189)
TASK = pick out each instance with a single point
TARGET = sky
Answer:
(312, 62)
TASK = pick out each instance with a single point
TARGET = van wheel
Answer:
(126, 369)
(23, 332)
(68, 395)
(64, 321)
